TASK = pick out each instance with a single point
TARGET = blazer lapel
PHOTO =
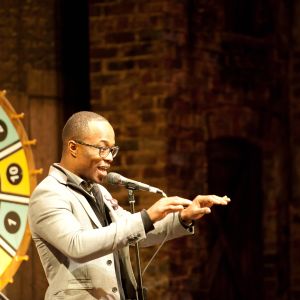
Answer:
(82, 196)
(77, 191)
(129, 281)
(112, 213)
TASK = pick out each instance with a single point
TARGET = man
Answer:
(81, 234)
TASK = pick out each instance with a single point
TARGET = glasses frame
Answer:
(113, 150)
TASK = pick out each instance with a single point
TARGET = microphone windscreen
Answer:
(113, 178)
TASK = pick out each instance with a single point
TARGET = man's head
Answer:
(88, 146)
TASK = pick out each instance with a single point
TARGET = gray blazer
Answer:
(76, 251)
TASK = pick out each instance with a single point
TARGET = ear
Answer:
(72, 147)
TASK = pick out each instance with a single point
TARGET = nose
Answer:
(109, 157)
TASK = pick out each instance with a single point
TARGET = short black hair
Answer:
(77, 125)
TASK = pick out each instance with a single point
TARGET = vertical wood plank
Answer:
(43, 122)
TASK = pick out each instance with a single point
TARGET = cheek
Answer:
(93, 164)
(89, 164)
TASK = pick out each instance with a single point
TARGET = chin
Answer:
(97, 176)
(99, 179)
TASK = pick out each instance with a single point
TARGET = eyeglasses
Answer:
(103, 151)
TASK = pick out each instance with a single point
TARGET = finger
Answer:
(226, 198)
(173, 208)
(198, 213)
(221, 200)
(202, 211)
(177, 201)
(209, 200)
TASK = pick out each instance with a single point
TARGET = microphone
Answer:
(117, 179)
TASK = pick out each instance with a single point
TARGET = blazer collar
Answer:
(83, 196)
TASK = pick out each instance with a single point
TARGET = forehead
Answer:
(100, 131)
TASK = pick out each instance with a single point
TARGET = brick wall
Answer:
(129, 82)
(173, 75)
(237, 87)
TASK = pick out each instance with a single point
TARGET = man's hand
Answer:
(165, 206)
(201, 206)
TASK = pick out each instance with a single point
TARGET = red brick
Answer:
(120, 37)
(103, 52)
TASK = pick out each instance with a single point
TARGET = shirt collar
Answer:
(87, 186)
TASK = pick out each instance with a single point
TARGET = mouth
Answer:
(103, 168)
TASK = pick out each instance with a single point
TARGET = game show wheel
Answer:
(17, 180)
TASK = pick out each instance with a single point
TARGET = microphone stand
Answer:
(140, 289)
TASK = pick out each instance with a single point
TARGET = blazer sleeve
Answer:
(165, 229)
(51, 218)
